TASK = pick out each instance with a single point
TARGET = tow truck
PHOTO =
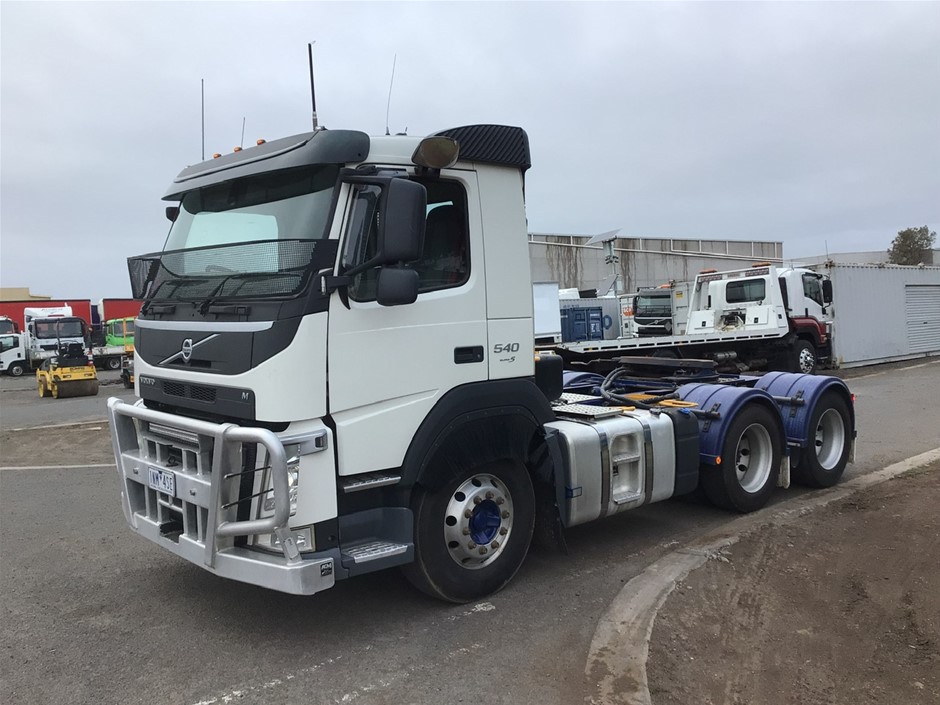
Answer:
(424, 432)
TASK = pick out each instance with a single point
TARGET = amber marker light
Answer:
(718, 460)
(260, 142)
(237, 149)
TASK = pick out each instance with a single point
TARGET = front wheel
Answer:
(822, 463)
(750, 459)
(804, 357)
(17, 369)
(472, 535)
(113, 363)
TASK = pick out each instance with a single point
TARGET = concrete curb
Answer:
(619, 650)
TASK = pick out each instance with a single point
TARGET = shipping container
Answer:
(883, 313)
(14, 309)
(109, 309)
(610, 314)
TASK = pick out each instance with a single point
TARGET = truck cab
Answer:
(46, 333)
(13, 359)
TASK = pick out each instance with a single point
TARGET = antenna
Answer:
(202, 88)
(313, 95)
(389, 104)
(242, 142)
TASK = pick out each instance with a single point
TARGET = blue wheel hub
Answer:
(485, 522)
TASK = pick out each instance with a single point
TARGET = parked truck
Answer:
(656, 311)
(115, 341)
(8, 325)
(48, 328)
(758, 317)
(13, 358)
(336, 375)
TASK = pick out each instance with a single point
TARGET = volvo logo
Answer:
(187, 350)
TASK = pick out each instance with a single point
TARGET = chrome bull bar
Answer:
(206, 461)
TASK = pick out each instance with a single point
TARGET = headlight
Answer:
(293, 476)
(303, 537)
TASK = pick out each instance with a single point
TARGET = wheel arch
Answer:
(809, 389)
(727, 402)
(474, 424)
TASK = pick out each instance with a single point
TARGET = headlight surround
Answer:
(303, 536)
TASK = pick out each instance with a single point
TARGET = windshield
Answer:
(254, 237)
(59, 329)
(646, 305)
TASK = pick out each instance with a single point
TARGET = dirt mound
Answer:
(842, 608)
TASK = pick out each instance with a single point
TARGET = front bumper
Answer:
(200, 521)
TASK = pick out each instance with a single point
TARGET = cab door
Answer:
(389, 365)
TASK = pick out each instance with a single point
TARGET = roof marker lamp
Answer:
(436, 153)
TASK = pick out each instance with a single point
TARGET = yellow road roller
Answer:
(69, 374)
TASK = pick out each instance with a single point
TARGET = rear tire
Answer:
(472, 534)
(750, 456)
(824, 459)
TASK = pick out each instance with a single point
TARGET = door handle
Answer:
(462, 356)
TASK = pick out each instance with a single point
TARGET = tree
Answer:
(912, 246)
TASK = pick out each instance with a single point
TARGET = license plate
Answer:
(163, 481)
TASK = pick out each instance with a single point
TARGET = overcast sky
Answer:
(807, 123)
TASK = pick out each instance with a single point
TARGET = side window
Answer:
(746, 290)
(361, 236)
(445, 260)
(7, 343)
(812, 289)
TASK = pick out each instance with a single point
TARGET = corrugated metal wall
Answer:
(642, 261)
(873, 316)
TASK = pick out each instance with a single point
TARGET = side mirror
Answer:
(401, 229)
(172, 213)
(396, 286)
(827, 290)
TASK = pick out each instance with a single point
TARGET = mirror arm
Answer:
(329, 284)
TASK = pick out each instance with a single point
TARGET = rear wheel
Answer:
(472, 535)
(823, 461)
(750, 459)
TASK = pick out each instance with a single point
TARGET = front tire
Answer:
(804, 357)
(750, 455)
(113, 363)
(823, 461)
(16, 369)
(472, 534)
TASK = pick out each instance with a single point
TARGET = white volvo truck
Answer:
(336, 375)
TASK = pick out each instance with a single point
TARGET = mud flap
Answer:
(783, 479)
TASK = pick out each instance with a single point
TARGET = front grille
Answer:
(175, 389)
(197, 392)
(202, 393)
